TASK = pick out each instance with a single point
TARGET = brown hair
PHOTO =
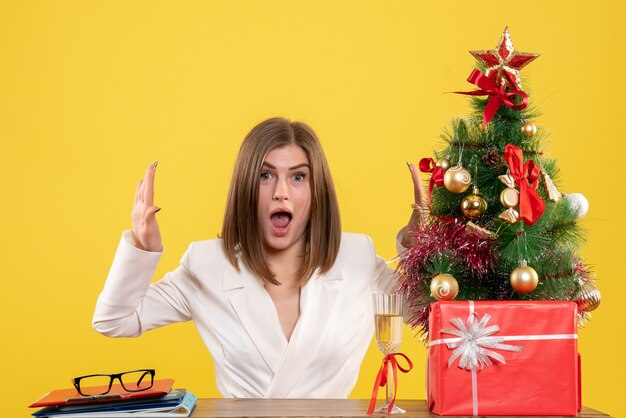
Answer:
(241, 231)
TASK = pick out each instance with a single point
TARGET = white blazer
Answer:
(237, 320)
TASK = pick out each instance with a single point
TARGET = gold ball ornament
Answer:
(474, 205)
(524, 279)
(588, 298)
(457, 179)
(443, 163)
(444, 287)
(528, 129)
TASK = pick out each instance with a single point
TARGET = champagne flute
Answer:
(388, 318)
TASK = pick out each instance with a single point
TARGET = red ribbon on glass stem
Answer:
(381, 378)
(497, 95)
(526, 175)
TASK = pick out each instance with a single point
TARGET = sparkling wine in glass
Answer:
(388, 319)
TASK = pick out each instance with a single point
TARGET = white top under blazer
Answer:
(238, 322)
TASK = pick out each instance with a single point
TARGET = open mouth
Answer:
(280, 219)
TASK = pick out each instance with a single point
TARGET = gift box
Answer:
(503, 358)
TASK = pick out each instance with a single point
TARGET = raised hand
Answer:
(420, 209)
(146, 235)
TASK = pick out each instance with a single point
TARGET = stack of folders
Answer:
(159, 401)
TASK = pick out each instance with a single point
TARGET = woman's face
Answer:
(285, 198)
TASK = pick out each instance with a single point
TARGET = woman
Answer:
(283, 299)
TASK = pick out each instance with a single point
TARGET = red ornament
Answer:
(503, 63)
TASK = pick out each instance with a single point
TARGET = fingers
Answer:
(138, 192)
(408, 238)
(418, 188)
(151, 212)
(148, 184)
(419, 209)
(145, 222)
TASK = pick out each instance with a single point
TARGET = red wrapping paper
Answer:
(541, 379)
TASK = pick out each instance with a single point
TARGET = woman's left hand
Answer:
(420, 209)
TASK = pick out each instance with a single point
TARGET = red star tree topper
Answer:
(504, 62)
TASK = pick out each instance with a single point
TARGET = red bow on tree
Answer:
(526, 175)
(428, 165)
(497, 95)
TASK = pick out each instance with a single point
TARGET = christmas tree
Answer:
(498, 227)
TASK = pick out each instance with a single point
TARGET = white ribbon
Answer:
(475, 345)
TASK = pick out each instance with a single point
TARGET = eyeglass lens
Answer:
(100, 384)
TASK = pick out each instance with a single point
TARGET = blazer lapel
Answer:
(317, 299)
(256, 312)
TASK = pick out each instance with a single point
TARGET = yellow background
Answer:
(91, 92)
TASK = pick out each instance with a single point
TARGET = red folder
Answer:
(117, 393)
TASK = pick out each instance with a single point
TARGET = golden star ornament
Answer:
(504, 62)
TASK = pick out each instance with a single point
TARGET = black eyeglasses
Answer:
(100, 384)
